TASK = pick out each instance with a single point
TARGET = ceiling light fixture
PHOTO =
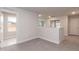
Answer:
(73, 12)
(39, 15)
(49, 16)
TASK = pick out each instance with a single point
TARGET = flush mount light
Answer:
(73, 12)
(39, 15)
(49, 16)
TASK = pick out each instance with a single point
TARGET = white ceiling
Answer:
(52, 11)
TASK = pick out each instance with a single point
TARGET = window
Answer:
(11, 24)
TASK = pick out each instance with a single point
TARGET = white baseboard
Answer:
(31, 38)
(73, 34)
(26, 39)
(17, 42)
(56, 42)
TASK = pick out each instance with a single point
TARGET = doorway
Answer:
(73, 25)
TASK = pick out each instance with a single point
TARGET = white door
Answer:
(74, 25)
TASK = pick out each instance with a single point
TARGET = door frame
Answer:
(5, 24)
(69, 27)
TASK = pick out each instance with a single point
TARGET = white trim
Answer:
(56, 42)
(20, 41)
(73, 34)
(28, 39)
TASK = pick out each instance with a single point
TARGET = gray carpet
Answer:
(42, 45)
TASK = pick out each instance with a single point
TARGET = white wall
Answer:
(54, 35)
(26, 27)
(0, 30)
(64, 23)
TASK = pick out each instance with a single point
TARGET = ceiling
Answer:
(52, 11)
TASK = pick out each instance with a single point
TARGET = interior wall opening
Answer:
(73, 25)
